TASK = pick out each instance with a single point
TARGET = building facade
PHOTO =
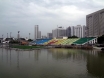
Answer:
(95, 24)
(79, 31)
(44, 37)
(39, 34)
(49, 35)
(68, 31)
(36, 31)
(59, 32)
(72, 30)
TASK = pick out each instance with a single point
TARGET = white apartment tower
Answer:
(79, 31)
(72, 30)
(59, 32)
(49, 35)
(36, 31)
(68, 31)
(39, 34)
(95, 24)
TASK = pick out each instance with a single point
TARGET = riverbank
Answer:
(30, 47)
(26, 47)
(74, 46)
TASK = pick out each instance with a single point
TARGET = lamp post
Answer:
(10, 34)
(7, 35)
(29, 35)
(18, 35)
(2, 35)
(2, 40)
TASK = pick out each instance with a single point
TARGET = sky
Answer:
(23, 15)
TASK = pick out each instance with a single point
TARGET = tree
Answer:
(100, 39)
(30, 40)
(73, 36)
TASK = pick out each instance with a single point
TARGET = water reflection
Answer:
(48, 63)
(95, 64)
(36, 54)
(2, 54)
(67, 54)
(10, 57)
(94, 59)
(7, 54)
(29, 55)
(18, 59)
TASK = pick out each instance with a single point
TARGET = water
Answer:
(51, 63)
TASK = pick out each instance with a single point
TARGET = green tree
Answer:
(100, 39)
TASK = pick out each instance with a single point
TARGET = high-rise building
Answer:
(36, 31)
(18, 35)
(95, 24)
(72, 30)
(84, 31)
(59, 32)
(79, 31)
(39, 34)
(44, 37)
(54, 32)
(68, 31)
(49, 35)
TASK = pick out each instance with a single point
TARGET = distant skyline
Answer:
(23, 15)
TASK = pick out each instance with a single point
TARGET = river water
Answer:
(51, 63)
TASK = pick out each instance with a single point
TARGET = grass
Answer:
(26, 47)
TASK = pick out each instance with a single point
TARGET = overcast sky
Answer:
(22, 15)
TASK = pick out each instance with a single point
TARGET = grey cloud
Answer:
(22, 15)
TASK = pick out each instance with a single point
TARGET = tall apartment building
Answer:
(49, 35)
(68, 31)
(79, 31)
(39, 34)
(84, 31)
(95, 24)
(36, 31)
(72, 30)
(59, 32)
(44, 37)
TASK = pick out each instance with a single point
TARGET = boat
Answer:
(98, 48)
